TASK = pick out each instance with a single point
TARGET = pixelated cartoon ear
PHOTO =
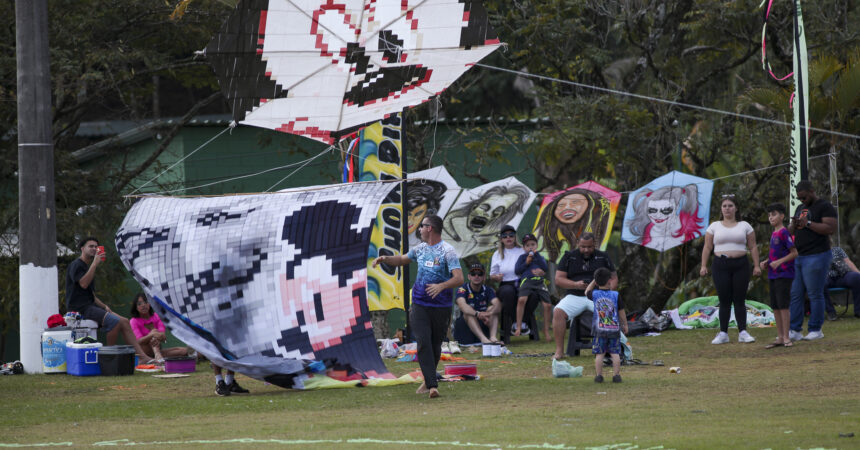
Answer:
(332, 235)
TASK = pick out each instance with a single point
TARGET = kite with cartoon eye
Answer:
(329, 67)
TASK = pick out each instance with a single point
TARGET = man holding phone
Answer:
(80, 296)
(813, 222)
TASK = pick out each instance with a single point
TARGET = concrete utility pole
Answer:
(37, 227)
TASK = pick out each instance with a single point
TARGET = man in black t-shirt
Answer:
(813, 222)
(80, 296)
(575, 271)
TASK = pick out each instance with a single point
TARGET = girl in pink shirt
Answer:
(150, 332)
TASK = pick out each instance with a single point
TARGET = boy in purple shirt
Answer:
(780, 272)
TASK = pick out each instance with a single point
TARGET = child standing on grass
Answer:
(225, 386)
(780, 272)
(531, 267)
(609, 321)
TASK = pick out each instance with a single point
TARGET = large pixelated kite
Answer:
(272, 285)
(324, 68)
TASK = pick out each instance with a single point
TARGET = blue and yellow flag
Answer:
(379, 159)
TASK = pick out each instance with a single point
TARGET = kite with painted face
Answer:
(565, 215)
(428, 192)
(668, 211)
(473, 223)
(272, 286)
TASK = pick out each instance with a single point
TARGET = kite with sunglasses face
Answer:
(666, 217)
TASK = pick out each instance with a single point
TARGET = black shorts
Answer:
(780, 293)
(534, 286)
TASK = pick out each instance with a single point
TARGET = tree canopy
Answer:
(136, 61)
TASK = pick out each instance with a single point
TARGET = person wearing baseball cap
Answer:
(480, 310)
(531, 268)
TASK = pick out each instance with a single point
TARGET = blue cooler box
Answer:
(82, 359)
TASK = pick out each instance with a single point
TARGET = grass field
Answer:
(727, 396)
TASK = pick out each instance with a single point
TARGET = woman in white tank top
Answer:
(729, 240)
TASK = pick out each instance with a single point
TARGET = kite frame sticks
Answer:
(284, 191)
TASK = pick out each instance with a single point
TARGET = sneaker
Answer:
(222, 389)
(831, 316)
(795, 335)
(813, 335)
(722, 338)
(236, 389)
(598, 379)
(745, 337)
(525, 329)
(445, 348)
(616, 378)
(454, 347)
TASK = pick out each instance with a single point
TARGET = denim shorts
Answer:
(106, 320)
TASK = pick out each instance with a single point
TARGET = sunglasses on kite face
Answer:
(508, 235)
(476, 273)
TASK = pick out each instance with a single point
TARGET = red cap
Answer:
(56, 321)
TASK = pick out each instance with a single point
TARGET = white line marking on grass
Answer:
(126, 442)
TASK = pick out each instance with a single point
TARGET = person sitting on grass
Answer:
(609, 321)
(531, 267)
(150, 332)
(480, 310)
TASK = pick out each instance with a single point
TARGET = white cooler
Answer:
(54, 349)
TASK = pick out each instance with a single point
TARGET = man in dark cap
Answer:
(480, 310)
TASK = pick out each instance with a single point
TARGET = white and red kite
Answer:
(324, 68)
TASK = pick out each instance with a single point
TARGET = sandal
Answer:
(788, 344)
(773, 344)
